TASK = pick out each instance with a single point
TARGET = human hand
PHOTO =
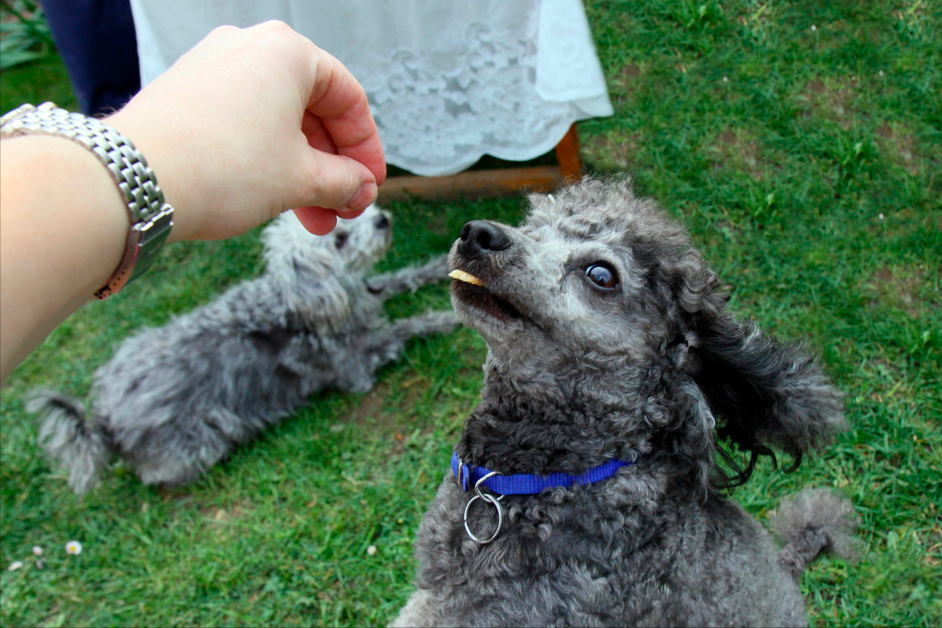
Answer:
(252, 122)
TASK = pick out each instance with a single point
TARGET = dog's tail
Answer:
(83, 448)
(812, 522)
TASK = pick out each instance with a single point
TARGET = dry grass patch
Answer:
(898, 144)
(902, 287)
(831, 99)
(738, 150)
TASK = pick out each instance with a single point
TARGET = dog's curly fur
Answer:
(607, 339)
(175, 400)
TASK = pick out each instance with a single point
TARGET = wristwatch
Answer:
(151, 217)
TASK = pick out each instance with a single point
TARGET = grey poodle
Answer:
(175, 400)
(585, 489)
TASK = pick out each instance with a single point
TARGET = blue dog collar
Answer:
(525, 483)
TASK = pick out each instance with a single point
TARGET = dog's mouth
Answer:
(471, 291)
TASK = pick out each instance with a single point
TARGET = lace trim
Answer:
(447, 82)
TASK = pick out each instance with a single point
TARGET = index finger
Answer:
(341, 104)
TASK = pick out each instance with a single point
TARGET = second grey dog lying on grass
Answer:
(584, 489)
(175, 400)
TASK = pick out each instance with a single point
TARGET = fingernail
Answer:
(364, 196)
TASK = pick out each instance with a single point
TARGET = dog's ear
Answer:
(765, 394)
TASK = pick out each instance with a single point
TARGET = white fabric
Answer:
(448, 81)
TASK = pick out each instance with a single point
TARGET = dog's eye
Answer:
(340, 240)
(602, 276)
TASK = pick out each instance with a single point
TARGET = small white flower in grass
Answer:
(73, 547)
(813, 28)
(726, 79)
(882, 216)
(880, 73)
(15, 565)
(37, 551)
(371, 550)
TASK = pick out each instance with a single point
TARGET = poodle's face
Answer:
(353, 246)
(361, 241)
(604, 284)
(573, 282)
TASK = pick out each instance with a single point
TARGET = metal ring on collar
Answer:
(488, 498)
(500, 518)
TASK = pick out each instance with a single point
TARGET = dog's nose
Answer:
(381, 222)
(481, 236)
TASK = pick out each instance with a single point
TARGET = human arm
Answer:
(249, 123)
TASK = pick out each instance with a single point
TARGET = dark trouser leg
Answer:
(97, 42)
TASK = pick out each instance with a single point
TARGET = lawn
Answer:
(798, 141)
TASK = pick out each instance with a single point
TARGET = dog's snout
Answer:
(481, 236)
(381, 222)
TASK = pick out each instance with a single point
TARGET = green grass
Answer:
(24, 34)
(811, 179)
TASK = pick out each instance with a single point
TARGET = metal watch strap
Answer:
(151, 217)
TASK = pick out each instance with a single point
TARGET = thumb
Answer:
(335, 182)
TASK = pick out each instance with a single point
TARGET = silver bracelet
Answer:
(151, 217)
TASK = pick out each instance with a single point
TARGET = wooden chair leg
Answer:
(492, 183)
(567, 154)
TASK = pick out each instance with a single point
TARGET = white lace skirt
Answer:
(447, 81)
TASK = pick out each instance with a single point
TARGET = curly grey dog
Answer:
(585, 488)
(175, 400)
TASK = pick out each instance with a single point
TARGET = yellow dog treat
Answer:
(460, 275)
